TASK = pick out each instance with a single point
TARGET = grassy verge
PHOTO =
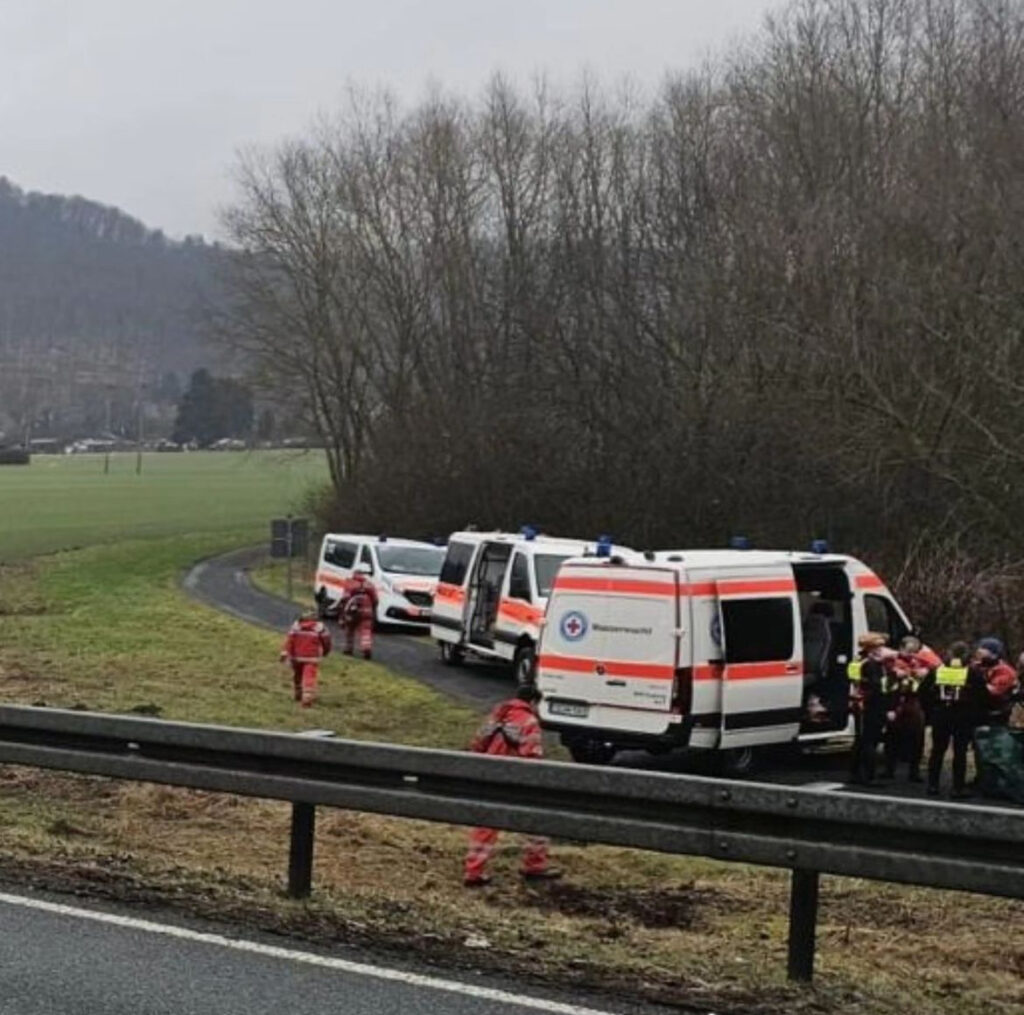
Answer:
(272, 576)
(109, 629)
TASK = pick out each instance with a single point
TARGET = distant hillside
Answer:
(93, 306)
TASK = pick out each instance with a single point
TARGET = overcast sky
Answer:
(143, 103)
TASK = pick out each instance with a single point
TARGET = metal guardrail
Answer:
(810, 832)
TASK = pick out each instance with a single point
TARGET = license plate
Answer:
(576, 709)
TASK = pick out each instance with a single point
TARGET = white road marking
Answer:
(824, 787)
(290, 955)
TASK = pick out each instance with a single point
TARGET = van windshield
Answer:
(422, 560)
(546, 566)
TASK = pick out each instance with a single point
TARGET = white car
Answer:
(403, 571)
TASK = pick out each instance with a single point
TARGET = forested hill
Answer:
(86, 283)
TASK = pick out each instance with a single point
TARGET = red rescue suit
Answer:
(511, 730)
(904, 736)
(356, 613)
(307, 642)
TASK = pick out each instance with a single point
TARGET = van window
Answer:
(545, 566)
(340, 554)
(883, 617)
(365, 557)
(758, 630)
(456, 563)
(519, 580)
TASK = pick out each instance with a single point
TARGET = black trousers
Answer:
(904, 741)
(868, 734)
(947, 730)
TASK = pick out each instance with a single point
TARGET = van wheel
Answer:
(523, 664)
(591, 752)
(452, 655)
(737, 762)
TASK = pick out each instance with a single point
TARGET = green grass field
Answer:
(64, 501)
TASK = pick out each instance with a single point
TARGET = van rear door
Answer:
(611, 637)
(762, 655)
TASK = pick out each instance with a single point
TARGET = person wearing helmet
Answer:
(306, 643)
(1000, 680)
(512, 731)
(358, 610)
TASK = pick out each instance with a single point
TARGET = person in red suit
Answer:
(357, 612)
(306, 643)
(512, 730)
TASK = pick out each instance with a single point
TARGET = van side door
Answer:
(448, 615)
(761, 663)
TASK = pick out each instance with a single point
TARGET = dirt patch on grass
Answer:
(685, 906)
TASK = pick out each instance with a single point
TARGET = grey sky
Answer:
(143, 103)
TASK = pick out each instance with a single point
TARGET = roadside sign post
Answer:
(289, 538)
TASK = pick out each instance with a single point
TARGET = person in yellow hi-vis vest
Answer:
(868, 703)
(954, 696)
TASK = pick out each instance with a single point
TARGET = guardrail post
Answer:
(803, 924)
(300, 855)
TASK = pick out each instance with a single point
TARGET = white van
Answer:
(492, 592)
(724, 650)
(403, 571)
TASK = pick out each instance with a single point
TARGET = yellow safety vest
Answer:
(951, 680)
(853, 671)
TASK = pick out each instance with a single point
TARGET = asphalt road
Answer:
(61, 959)
(223, 582)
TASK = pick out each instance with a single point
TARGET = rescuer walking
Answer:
(868, 703)
(306, 643)
(357, 612)
(511, 730)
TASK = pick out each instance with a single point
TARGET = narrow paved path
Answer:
(223, 582)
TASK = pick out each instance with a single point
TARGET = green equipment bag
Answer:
(1001, 752)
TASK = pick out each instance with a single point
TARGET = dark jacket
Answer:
(969, 709)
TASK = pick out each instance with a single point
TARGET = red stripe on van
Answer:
(631, 586)
(575, 664)
(746, 586)
(524, 613)
(747, 671)
(452, 592)
(869, 581)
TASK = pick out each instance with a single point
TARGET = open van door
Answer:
(762, 656)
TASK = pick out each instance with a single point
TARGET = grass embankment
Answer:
(108, 628)
(64, 501)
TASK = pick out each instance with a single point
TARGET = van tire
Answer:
(591, 752)
(452, 655)
(737, 762)
(523, 664)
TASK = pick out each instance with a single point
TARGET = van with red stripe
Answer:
(723, 650)
(403, 572)
(492, 592)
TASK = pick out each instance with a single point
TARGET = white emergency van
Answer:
(403, 571)
(492, 592)
(725, 650)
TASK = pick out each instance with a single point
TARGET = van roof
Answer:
(384, 541)
(729, 558)
(551, 544)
